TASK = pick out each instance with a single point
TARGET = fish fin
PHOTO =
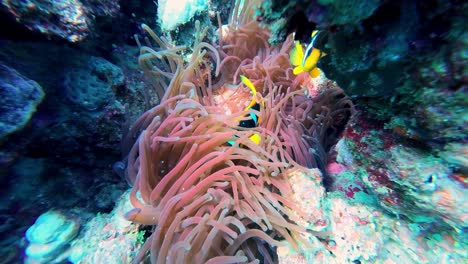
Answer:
(314, 33)
(246, 81)
(297, 54)
(255, 138)
(251, 104)
(312, 60)
(323, 54)
(315, 72)
(298, 70)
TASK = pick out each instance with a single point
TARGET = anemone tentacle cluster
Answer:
(214, 202)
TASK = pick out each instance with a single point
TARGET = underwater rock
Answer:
(66, 19)
(409, 72)
(433, 109)
(108, 238)
(63, 121)
(340, 12)
(19, 98)
(360, 232)
(49, 238)
(102, 8)
(71, 20)
(92, 133)
(424, 182)
(432, 106)
(91, 86)
(308, 194)
(456, 154)
(406, 181)
(302, 16)
(144, 10)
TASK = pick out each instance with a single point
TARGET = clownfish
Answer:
(254, 119)
(306, 62)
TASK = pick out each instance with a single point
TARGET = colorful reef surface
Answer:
(233, 131)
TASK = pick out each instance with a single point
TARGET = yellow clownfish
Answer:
(254, 119)
(306, 62)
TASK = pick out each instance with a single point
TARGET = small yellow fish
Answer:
(306, 62)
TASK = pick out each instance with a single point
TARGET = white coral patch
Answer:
(172, 13)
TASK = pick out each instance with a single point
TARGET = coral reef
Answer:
(341, 12)
(407, 181)
(108, 237)
(92, 86)
(49, 238)
(78, 193)
(20, 97)
(83, 108)
(407, 75)
(172, 14)
(231, 156)
(67, 19)
(407, 72)
(301, 16)
(70, 22)
(357, 230)
(41, 156)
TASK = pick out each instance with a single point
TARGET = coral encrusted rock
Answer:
(19, 98)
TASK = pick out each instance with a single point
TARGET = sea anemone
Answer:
(210, 201)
